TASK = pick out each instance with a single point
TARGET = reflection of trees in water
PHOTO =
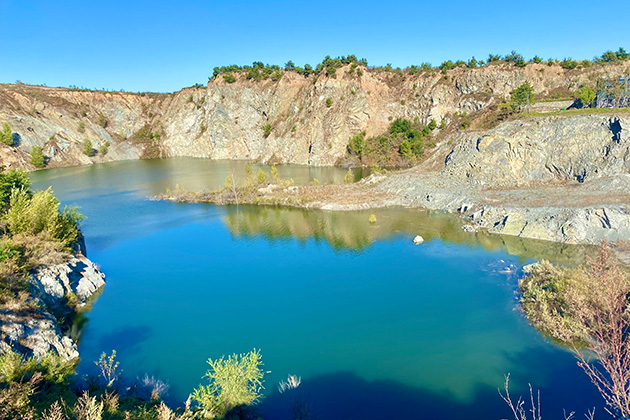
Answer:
(353, 230)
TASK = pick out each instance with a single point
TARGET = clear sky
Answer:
(140, 45)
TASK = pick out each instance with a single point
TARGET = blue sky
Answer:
(164, 46)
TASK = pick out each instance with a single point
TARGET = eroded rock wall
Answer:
(310, 119)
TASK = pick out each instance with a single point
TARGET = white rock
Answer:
(418, 240)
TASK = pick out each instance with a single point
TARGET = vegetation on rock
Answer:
(588, 309)
(37, 157)
(6, 135)
(401, 145)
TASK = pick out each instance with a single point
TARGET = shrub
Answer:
(234, 381)
(6, 136)
(39, 212)
(328, 102)
(432, 125)
(568, 64)
(104, 148)
(586, 96)
(37, 157)
(229, 78)
(277, 75)
(588, 309)
(447, 65)
(261, 176)
(10, 180)
(400, 126)
(349, 177)
(102, 121)
(405, 149)
(357, 145)
(493, 57)
(274, 173)
(88, 149)
(266, 130)
(81, 128)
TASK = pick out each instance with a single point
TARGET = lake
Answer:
(375, 326)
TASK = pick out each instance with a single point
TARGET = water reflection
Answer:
(354, 231)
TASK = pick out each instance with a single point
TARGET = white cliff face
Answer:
(37, 333)
(227, 120)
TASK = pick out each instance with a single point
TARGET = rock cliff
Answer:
(59, 291)
(309, 119)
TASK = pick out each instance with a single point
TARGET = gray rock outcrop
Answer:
(37, 332)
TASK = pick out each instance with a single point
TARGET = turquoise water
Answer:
(375, 326)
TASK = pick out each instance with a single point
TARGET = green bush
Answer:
(357, 145)
(405, 149)
(261, 176)
(447, 65)
(277, 75)
(103, 149)
(586, 96)
(349, 177)
(568, 64)
(88, 149)
(6, 135)
(39, 213)
(102, 121)
(328, 102)
(81, 128)
(234, 381)
(229, 78)
(266, 130)
(10, 180)
(37, 157)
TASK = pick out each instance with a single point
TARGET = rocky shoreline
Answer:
(556, 179)
(60, 292)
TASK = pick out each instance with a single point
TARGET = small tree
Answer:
(523, 97)
(88, 149)
(6, 136)
(37, 157)
(261, 176)
(349, 178)
(587, 96)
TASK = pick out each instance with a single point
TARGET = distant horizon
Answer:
(146, 47)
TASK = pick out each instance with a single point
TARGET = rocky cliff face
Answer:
(519, 153)
(553, 178)
(53, 287)
(227, 120)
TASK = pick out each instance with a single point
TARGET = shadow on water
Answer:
(354, 231)
(124, 340)
(344, 395)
